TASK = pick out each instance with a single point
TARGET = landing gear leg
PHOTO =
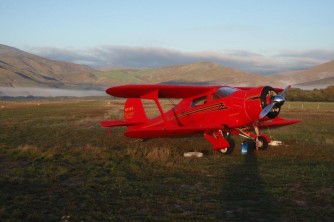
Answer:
(255, 140)
(261, 141)
(257, 131)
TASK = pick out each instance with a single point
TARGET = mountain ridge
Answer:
(22, 69)
(322, 71)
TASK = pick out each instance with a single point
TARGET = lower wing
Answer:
(278, 121)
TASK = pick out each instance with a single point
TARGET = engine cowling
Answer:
(268, 96)
(258, 99)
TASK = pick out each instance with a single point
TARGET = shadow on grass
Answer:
(244, 196)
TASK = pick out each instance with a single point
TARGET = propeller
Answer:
(277, 101)
(285, 90)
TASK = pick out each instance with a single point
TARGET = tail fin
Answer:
(134, 111)
(134, 114)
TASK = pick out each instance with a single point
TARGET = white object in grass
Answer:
(275, 143)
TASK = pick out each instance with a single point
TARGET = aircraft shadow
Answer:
(244, 197)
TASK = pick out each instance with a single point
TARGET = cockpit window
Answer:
(226, 91)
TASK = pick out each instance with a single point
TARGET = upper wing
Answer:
(163, 91)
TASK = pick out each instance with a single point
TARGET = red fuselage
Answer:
(231, 109)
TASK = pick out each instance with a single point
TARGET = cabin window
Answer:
(214, 96)
(198, 101)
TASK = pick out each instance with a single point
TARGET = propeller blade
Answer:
(266, 110)
(285, 90)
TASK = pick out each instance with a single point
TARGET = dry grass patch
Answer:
(29, 150)
(159, 154)
(90, 152)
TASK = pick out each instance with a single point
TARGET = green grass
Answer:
(57, 162)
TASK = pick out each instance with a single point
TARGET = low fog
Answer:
(25, 91)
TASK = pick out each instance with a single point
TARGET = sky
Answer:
(252, 35)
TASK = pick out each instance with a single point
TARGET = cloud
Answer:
(148, 57)
(68, 55)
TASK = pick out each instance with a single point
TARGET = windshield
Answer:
(226, 91)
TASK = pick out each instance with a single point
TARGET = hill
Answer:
(196, 73)
(319, 76)
(319, 84)
(22, 69)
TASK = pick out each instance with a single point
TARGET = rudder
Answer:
(134, 111)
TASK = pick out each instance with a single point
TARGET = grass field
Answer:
(57, 164)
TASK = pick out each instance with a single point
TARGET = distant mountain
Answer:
(207, 73)
(318, 84)
(201, 72)
(22, 69)
(312, 78)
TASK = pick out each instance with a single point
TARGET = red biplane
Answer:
(215, 111)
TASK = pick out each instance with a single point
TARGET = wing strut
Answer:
(154, 96)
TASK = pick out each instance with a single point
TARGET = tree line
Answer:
(315, 95)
